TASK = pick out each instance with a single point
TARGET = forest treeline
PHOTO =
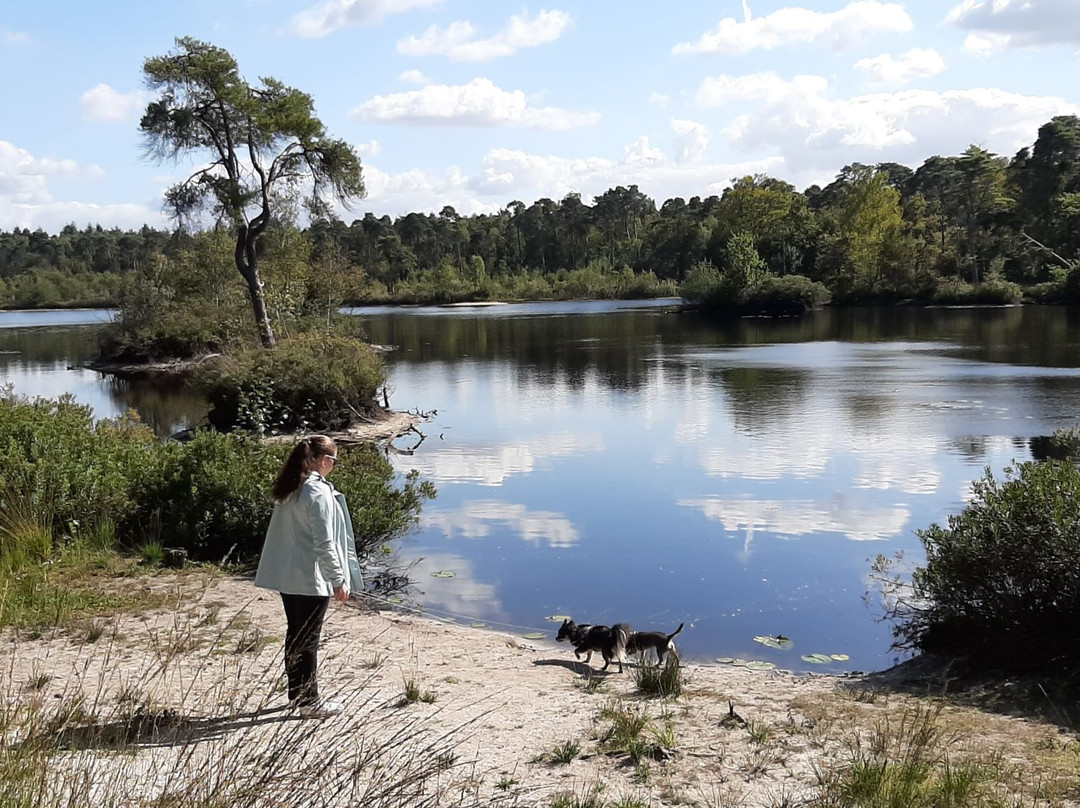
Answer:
(971, 227)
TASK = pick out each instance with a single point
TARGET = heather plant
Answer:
(311, 381)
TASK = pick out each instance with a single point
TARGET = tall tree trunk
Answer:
(248, 265)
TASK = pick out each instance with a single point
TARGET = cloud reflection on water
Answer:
(801, 518)
(493, 465)
(460, 596)
(476, 519)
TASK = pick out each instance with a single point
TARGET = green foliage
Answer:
(310, 381)
(180, 307)
(64, 470)
(1001, 580)
(703, 282)
(66, 481)
(211, 496)
(659, 680)
(906, 762)
(992, 292)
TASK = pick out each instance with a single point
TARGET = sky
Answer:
(477, 104)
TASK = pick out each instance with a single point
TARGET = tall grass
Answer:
(910, 761)
(164, 736)
(659, 680)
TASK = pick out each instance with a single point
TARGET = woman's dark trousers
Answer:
(304, 618)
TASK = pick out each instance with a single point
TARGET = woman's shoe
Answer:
(320, 708)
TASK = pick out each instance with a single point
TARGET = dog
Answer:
(586, 638)
(641, 641)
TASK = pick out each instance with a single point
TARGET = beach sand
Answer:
(495, 719)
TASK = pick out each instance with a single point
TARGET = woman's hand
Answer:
(341, 593)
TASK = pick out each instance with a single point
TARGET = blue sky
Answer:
(476, 104)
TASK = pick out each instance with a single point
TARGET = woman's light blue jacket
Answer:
(310, 547)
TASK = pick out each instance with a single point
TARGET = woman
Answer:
(309, 556)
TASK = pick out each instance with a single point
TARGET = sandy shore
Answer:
(492, 710)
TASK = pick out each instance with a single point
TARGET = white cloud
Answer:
(478, 103)
(1018, 23)
(459, 43)
(986, 45)
(369, 149)
(660, 100)
(9, 37)
(506, 174)
(917, 63)
(104, 104)
(691, 140)
(325, 18)
(815, 132)
(24, 178)
(786, 26)
(26, 201)
(413, 77)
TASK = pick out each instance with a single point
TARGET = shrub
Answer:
(211, 496)
(174, 332)
(62, 469)
(65, 478)
(310, 381)
(993, 292)
(1002, 581)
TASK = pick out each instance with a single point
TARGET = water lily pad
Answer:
(817, 659)
(557, 618)
(840, 657)
(726, 660)
(760, 665)
(443, 574)
(779, 641)
(534, 635)
(477, 625)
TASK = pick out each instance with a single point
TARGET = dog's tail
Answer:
(622, 632)
(676, 631)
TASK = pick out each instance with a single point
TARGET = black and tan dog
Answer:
(641, 641)
(610, 641)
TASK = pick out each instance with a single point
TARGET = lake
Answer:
(622, 462)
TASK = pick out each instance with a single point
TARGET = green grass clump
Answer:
(659, 680)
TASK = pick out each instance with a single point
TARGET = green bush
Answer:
(174, 332)
(65, 478)
(62, 469)
(1002, 580)
(211, 496)
(308, 382)
(994, 292)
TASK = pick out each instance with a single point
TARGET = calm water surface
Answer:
(619, 462)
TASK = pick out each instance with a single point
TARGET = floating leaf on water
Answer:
(478, 625)
(817, 659)
(779, 641)
(760, 665)
(534, 635)
(840, 657)
(726, 660)
(443, 574)
(557, 618)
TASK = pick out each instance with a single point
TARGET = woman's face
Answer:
(324, 464)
